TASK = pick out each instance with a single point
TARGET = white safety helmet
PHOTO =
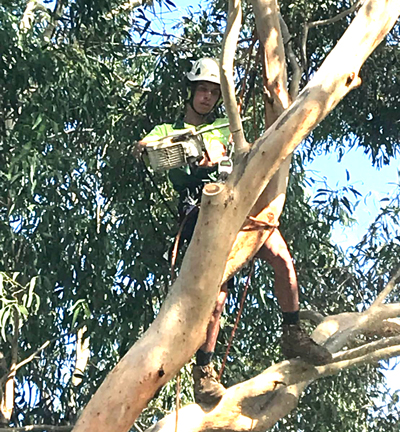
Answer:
(205, 69)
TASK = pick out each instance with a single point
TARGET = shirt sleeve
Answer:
(160, 131)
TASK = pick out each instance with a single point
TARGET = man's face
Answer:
(206, 96)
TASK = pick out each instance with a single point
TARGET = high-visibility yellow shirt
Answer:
(184, 177)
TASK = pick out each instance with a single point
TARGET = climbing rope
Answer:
(264, 225)
(228, 348)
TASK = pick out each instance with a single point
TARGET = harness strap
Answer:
(262, 224)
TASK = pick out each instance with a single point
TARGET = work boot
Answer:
(207, 390)
(296, 342)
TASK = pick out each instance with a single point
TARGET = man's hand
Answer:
(215, 152)
(138, 149)
(141, 145)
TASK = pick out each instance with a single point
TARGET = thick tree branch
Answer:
(227, 83)
(258, 403)
(269, 31)
(366, 349)
(337, 331)
(270, 203)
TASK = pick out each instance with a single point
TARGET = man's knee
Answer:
(277, 256)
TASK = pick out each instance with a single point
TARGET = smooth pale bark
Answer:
(227, 82)
(180, 326)
(269, 205)
(257, 404)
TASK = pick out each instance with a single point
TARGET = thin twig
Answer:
(308, 25)
(178, 399)
(126, 7)
(338, 17)
(45, 345)
(295, 82)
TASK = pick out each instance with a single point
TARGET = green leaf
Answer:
(75, 316)
(37, 121)
(4, 316)
(32, 285)
(23, 310)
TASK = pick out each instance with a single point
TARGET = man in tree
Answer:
(188, 181)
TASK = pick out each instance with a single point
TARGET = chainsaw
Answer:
(185, 147)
